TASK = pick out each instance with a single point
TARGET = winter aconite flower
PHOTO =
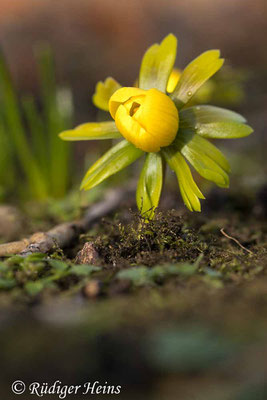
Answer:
(152, 120)
(146, 118)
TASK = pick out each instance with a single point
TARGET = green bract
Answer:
(196, 125)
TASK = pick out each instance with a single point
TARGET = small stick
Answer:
(64, 234)
(236, 241)
(7, 249)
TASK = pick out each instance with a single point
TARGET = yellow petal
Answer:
(159, 116)
(133, 132)
(121, 96)
(173, 80)
(103, 92)
(146, 118)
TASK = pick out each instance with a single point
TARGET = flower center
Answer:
(146, 118)
(134, 108)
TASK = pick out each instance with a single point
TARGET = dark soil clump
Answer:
(165, 239)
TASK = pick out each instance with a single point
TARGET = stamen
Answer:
(134, 108)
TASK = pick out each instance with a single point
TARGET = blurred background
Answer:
(52, 55)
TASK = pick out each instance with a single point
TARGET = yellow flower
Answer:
(146, 118)
(154, 120)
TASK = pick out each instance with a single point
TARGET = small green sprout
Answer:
(155, 121)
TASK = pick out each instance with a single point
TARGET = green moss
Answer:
(36, 273)
(170, 251)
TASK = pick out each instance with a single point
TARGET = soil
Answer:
(168, 309)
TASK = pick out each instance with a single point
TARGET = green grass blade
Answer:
(7, 165)
(38, 139)
(13, 120)
(55, 122)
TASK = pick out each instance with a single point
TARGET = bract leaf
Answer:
(157, 64)
(150, 184)
(214, 122)
(205, 114)
(207, 160)
(188, 188)
(92, 131)
(224, 130)
(194, 75)
(114, 160)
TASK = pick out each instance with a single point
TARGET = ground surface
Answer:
(169, 309)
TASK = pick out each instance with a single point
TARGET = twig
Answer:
(236, 241)
(64, 234)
